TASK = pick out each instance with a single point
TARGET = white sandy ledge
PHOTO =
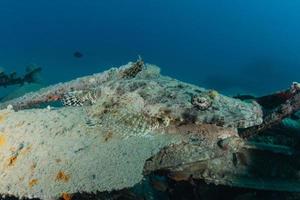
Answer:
(45, 153)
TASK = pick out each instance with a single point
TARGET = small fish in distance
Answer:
(78, 54)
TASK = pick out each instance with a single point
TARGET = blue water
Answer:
(234, 46)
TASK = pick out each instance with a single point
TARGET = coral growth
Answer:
(62, 176)
(12, 161)
(66, 196)
(2, 139)
(3, 116)
(33, 182)
(213, 94)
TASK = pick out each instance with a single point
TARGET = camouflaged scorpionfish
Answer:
(114, 128)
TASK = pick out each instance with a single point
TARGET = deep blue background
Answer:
(233, 46)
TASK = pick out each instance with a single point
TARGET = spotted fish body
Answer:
(80, 98)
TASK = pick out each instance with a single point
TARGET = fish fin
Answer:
(71, 99)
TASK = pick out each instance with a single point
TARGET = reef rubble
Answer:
(115, 127)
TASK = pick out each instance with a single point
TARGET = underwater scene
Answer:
(149, 100)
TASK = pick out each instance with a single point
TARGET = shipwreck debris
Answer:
(13, 79)
(284, 104)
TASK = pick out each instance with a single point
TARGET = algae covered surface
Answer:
(120, 119)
